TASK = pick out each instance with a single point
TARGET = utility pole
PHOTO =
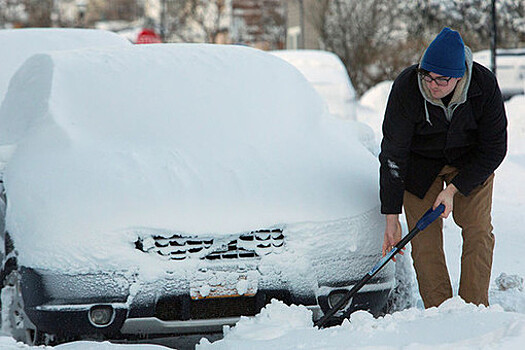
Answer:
(163, 21)
(301, 24)
(493, 38)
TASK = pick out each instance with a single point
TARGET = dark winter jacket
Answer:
(421, 135)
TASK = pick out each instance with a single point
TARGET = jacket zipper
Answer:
(446, 111)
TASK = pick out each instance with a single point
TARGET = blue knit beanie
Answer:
(445, 55)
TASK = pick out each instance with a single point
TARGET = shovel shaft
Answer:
(426, 220)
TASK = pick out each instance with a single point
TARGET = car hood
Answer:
(192, 138)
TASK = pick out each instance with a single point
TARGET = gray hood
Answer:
(460, 93)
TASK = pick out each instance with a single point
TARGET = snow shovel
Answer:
(425, 220)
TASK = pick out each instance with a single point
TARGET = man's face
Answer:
(443, 88)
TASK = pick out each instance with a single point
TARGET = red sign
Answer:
(148, 36)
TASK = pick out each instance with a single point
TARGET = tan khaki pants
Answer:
(472, 214)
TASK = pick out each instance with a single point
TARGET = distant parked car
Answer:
(328, 75)
(171, 189)
(510, 69)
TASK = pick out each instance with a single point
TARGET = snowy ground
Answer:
(454, 325)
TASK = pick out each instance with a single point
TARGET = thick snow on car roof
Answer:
(187, 137)
(19, 44)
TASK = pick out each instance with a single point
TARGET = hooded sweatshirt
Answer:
(460, 92)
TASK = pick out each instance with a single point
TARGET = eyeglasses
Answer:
(440, 81)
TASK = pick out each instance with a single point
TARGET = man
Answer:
(444, 135)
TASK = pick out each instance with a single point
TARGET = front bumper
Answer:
(151, 310)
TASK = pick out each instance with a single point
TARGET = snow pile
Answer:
(516, 129)
(7, 343)
(88, 345)
(113, 140)
(19, 44)
(274, 321)
(371, 108)
(282, 327)
(377, 97)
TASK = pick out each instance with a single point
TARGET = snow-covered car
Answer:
(171, 189)
(510, 69)
(328, 75)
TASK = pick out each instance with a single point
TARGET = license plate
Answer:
(223, 284)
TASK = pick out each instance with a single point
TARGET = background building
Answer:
(304, 23)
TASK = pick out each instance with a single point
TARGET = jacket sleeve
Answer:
(492, 144)
(398, 129)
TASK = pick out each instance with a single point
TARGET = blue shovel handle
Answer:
(430, 216)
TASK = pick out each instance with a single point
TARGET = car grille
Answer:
(244, 246)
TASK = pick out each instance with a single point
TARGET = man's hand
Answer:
(392, 234)
(446, 197)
